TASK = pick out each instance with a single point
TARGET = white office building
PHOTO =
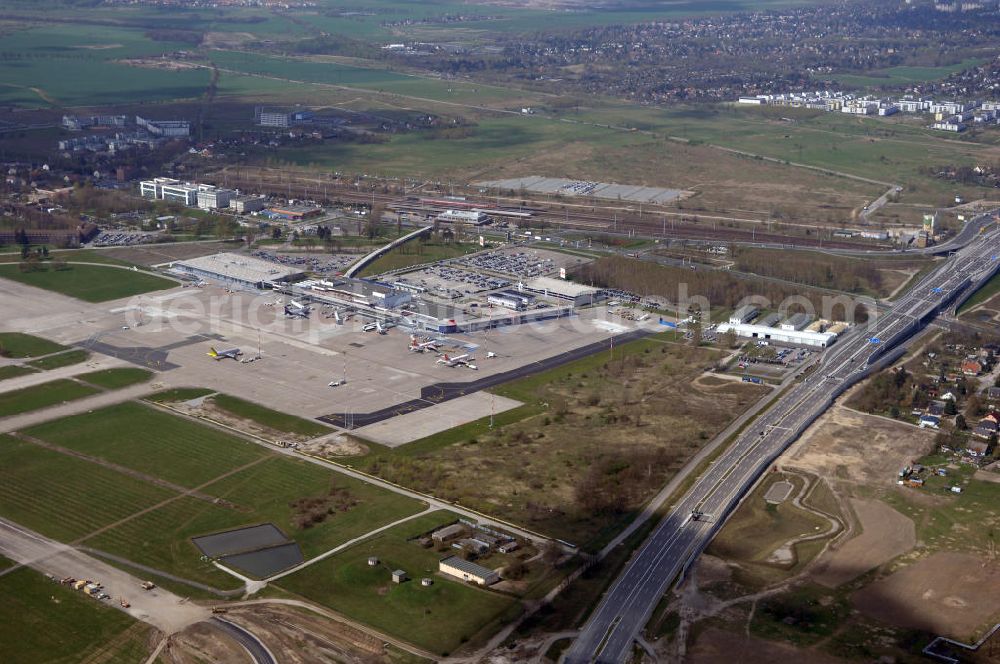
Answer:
(213, 198)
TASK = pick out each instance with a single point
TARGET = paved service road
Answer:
(626, 607)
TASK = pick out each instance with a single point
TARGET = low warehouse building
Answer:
(468, 571)
(781, 335)
(237, 270)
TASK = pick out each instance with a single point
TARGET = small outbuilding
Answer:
(399, 576)
(448, 532)
(372, 561)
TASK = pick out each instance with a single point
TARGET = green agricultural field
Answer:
(115, 379)
(61, 360)
(79, 64)
(901, 76)
(91, 283)
(272, 419)
(151, 441)
(417, 253)
(15, 371)
(42, 396)
(42, 622)
(16, 344)
(64, 497)
(439, 618)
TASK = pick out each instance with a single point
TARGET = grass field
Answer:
(269, 488)
(151, 441)
(179, 394)
(42, 396)
(42, 622)
(15, 371)
(988, 290)
(265, 417)
(188, 454)
(439, 618)
(115, 379)
(757, 529)
(417, 253)
(63, 497)
(18, 345)
(90, 283)
(901, 76)
(61, 360)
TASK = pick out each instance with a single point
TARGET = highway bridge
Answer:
(681, 536)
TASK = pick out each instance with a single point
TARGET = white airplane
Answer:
(228, 353)
(457, 361)
(422, 347)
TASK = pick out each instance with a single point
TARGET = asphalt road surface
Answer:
(626, 607)
(257, 650)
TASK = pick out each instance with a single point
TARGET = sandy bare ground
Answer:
(850, 446)
(885, 534)
(160, 608)
(952, 594)
(715, 646)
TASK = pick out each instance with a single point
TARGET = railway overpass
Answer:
(680, 537)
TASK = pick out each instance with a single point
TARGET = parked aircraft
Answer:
(295, 309)
(422, 347)
(230, 353)
(460, 360)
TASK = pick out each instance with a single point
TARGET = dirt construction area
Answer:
(885, 534)
(947, 593)
(857, 448)
(715, 646)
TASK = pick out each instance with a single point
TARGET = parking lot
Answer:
(323, 264)
(451, 283)
(123, 238)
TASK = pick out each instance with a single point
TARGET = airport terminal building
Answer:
(237, 270)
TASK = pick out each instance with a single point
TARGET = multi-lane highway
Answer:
(626, 607)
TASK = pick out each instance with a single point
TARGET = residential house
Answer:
(977, 448)
(972, 367)
(930, 422)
